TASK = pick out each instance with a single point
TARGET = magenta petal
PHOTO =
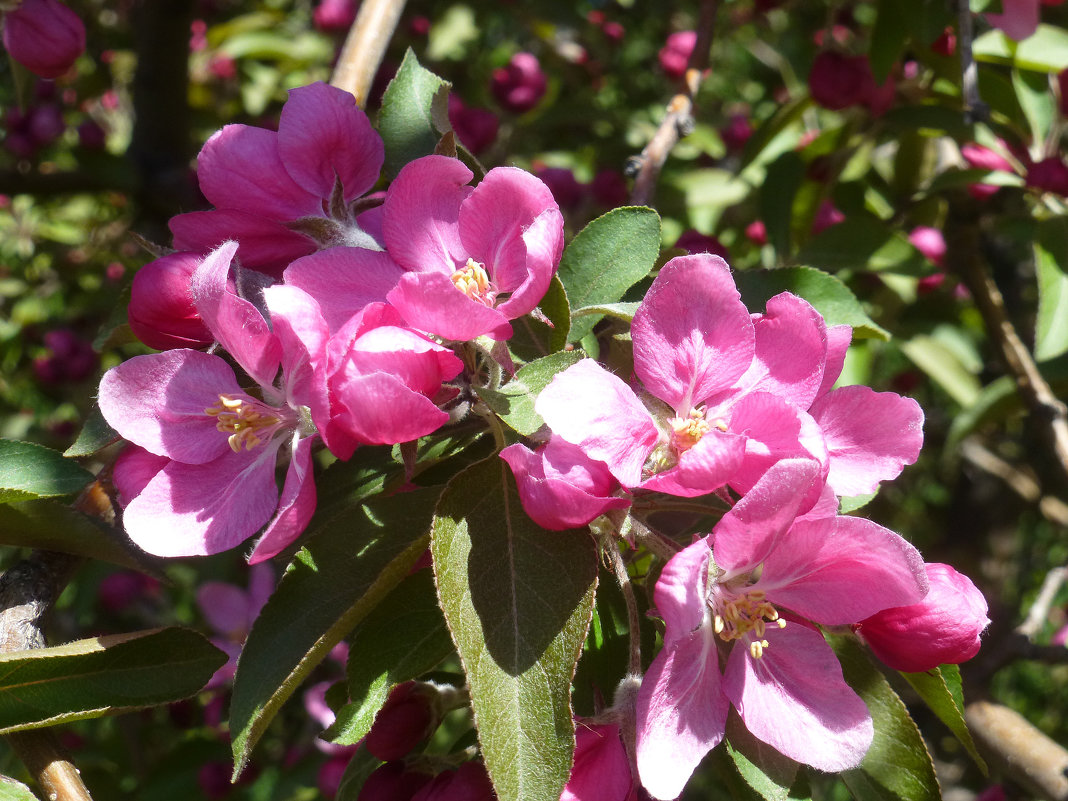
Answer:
(421, 215)
(543, 246)
(295, 508)
(237, 324)
(601, 770)
(240, 168)
(344, 280)
(44, 36)
(870, 436)
(795, 699)
(225, 608)
(791, 349)
(693, 336)
(592, 408)
(158, 402)
(838, 339)
(378, 409)
(681, 590)
(302, 334)
(749, 532)
(265, 245)
(194, 510)
(681, 713)
(432, 303)
(1019, 18)
(133, 469)
(842, 570)
(419, 362)
(704, 468)
(323, 136)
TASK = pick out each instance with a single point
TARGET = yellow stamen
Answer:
(474, 282)
(242, 420)
(687, 432)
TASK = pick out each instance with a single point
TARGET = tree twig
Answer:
(678, 121)
(365, 46)
(1023, 484)
(1019, 749)
(1039, 611)
(974, 107)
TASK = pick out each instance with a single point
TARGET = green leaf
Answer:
(941, 690)
(514, 402)
(621, 311)
(854, 502)
(891, 31)
(939, 361)
(985, 6)
(33, 471)
(863, 243)
(518, 600)
(1051, 263)
(403, 638)
(607, 258)
(829, 296)
(11, 790)
(1044, 51)
(103, 676)
(533, 338)
(95, 435)
(53, 526)
(765, 770)
(782, 119)
(897, 766)
(362, 765)
(1036, 101)
(357, 554)
(777, 193)
(414, 114)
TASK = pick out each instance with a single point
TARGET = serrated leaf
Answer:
(53, 526)
(11, 790)
(95, 435)
(1051, 260)
(404, 637)
(357, 553)
(30, 471)
(829, 296)
(765, 770)
(897, 766)
(103, 676)
(607, 258)
(518, 600)
(941, 690)
(1046, 50)
(514, 402)
(414, 100)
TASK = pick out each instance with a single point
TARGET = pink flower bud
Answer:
(476, 128)
(826, 216)
(930, 242)
(91, 136)
(757, 232)
(736, 132)
(393, 782)
(601, 771)
(613, 31)
(838, 81)
(161, 313)
(695, 242)
(567, 191)
(404, 721)
(943, 628)
(46, 123)
(335, 15)
(609, 189)
(675, 54)
(71, 358)
(44, 36)
(1049, 175)
(946, 44)
(521, 85)
(469, 782)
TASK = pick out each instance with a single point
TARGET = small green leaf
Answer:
(941, 690)
(103, 676)
(11, 790)
(357, 553)
(829, 296)
(533, 338)
(514, 402)
(777, 193)
(404, 637)
(765, 770)
(621, 311)
(32, 471)
(413, 113)
(1046, 50)
(362, 764)
(518, 600)
(607, 258)
(854, 502)
(944, 366)
(893, 22)
(95, 435)
(782, 119)
(1051, 264)
(1036, 101)
(897, 766)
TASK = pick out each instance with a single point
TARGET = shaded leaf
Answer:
(607, 258)
(863, 243)
(514, 402)
(1051, 261)
(357, 554)
(783, 118)
(941, 690)
(95, 435)
(621, 311)
(777, 193)
(103, 676)
(362, 765)
(413, 114)
(518, 600)
(1044, 51)
(33, 471)
(533, 338)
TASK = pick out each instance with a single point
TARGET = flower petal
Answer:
(432, 303)
(704, 468)
(838, 339)
(680, 591)
(302, 334)
(379, 409)
(421, 213)
(344, 280)
(295, 508)
(693, 336)
(543, 245)
(265, 245)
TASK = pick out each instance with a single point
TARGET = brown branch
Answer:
(1023, 484)
(365, 46)
(1020, 750)
(678, 122)
(1039, 611)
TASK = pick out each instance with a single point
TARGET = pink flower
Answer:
(521, 84)
(230, 611)
(560, 487)
(335, 15)
(838, 81)
(161, 310)
(218, 488)
(282, 195)
(1018, 20)
(409, 716)
(44, 36)
(757, 232)
(393, 781)
(930, 242)
(943, 628)
(601, 770)
(736, 132)
(745, 594)
(475, 258)
(469, 782)
(826, 216)
(675, 54)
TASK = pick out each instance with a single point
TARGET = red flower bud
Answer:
(392, 782)
(476, 128)
(521, 85)
(161, 313)
(1049, 175)
(406, 718)
(838, 81)
(44, 36)
(943, 628)
(675, 54)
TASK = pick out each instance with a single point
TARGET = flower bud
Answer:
(476, 128)
(567, 191)
(521, 85)
(943, 628)
(838, 81)
(601, 770)
(1049, 175)
(44, 36)
(469, 782)
(675, 54)
(335, 15)
(161, 313)
(405, 720)
(393, 782)
(930, 242)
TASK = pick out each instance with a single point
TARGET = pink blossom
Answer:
(469, 782)
(1049, 175)
(838, 81)
(521, 84)
(943, 628)
(335, 15)
(161, 311)
(826, 216)
(1018, 20)
(230, 612)
(474, 258)
(930, 242)
(757, 232)
(409, 716)
(675, 54)
(601, 770)
(745, 595)
(393, 781)
(44, 36)
(476, 128)
(736, 132)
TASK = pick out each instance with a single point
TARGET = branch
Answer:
(1019, 749)
(365, 46)
(1023, 484)
(1039, 611)
(679, 119)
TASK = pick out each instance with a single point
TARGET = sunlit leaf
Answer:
(32, 471)
(1051, 264)
(941, 690)
(514, 402)
(413, 115)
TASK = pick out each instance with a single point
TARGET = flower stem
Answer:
(634, 665)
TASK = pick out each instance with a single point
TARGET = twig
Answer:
(1039, 611)
(679, 119)
(365, 45)
(1019, 749)
(974, 107)
(41, 753)
(1023, 484)
(611, 548)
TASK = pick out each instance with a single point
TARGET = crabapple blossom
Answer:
(746, 594)
(675, 54)
(161, 311)
(44, 36)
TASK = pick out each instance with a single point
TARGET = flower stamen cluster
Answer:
(687, 431)
(741, 615)
(245, 420)
(473, 281)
